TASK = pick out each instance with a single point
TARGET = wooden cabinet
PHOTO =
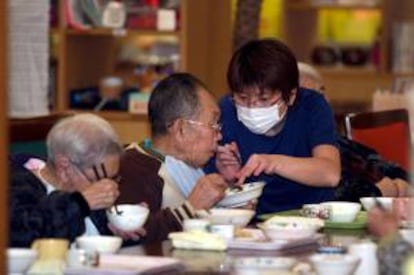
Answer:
(204, 39)
(347, 86)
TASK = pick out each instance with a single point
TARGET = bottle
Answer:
(114, 15)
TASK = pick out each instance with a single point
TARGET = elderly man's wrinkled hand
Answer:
(228, 161)
(101, 194)
(208, 191)
(134, 235)
(382, 223)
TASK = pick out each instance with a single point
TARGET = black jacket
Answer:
(34, 214)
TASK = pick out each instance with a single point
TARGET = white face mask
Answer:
(259, 120)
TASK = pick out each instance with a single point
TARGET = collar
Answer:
(146, 145)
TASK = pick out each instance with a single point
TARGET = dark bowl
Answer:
(324, 55)
(354, 56)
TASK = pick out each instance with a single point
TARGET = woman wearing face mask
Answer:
(275, 131)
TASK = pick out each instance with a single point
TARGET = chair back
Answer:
(28, 135)
(388, 132)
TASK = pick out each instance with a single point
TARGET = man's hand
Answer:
(101, 194)
(134, 235)
(382, 223)
(208, 191)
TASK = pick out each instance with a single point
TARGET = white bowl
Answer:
(369, 202)
(101, 244)
(290, 227)
(235, 198)
(132, 216)
(237, 217)
(262, 265)
(338, 264)
(20, 259)
(342, 211)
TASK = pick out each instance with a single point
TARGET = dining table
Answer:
(221, 262)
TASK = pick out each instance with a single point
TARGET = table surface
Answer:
(219, 262)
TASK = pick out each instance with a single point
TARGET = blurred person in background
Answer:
(364, 172)
(68, 196)
(275, 131)
(165, 171)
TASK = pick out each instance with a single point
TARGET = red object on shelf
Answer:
(153, 3)
(146, 20)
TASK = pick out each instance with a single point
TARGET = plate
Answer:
(235, 198)
(359, 223)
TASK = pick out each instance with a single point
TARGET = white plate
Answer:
(263, 265)
(275, 245)
(235, 198)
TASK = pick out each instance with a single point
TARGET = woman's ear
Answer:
(292, 97)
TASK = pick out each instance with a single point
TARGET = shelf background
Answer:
(84, 57)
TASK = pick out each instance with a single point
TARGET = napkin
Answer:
(197, 240)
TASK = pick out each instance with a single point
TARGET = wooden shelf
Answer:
(119, 32)
(309, 5)
(348, 70)
(114, 115)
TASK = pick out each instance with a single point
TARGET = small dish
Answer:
(369, 202)
(262, 265)
(290, 227)
(237, 217)
(235, 197)
(328, 264)
(342, 211)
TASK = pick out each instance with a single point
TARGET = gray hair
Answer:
(85, 139)
(307, 70)
(176, 96)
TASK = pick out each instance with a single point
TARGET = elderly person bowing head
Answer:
(165, 171)
(67, 197)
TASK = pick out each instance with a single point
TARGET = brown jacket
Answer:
(145, 179)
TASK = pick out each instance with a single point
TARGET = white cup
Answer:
(367, 252)
(196, 224)
(226, 231)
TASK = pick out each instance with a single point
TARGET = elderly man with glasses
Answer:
(165, 171)
(67, 197)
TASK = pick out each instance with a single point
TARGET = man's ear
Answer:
(62, 163)
(178, 130)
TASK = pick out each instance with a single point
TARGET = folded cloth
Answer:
(197, 240)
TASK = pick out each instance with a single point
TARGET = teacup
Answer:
(51, 248)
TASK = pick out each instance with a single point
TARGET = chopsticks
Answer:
(105, 174)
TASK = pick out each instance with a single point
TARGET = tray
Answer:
(359, 223)
(260, 242)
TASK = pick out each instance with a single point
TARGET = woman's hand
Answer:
(257, 164)
(228, 161)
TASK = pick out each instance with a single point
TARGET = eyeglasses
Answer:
(215, 126)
